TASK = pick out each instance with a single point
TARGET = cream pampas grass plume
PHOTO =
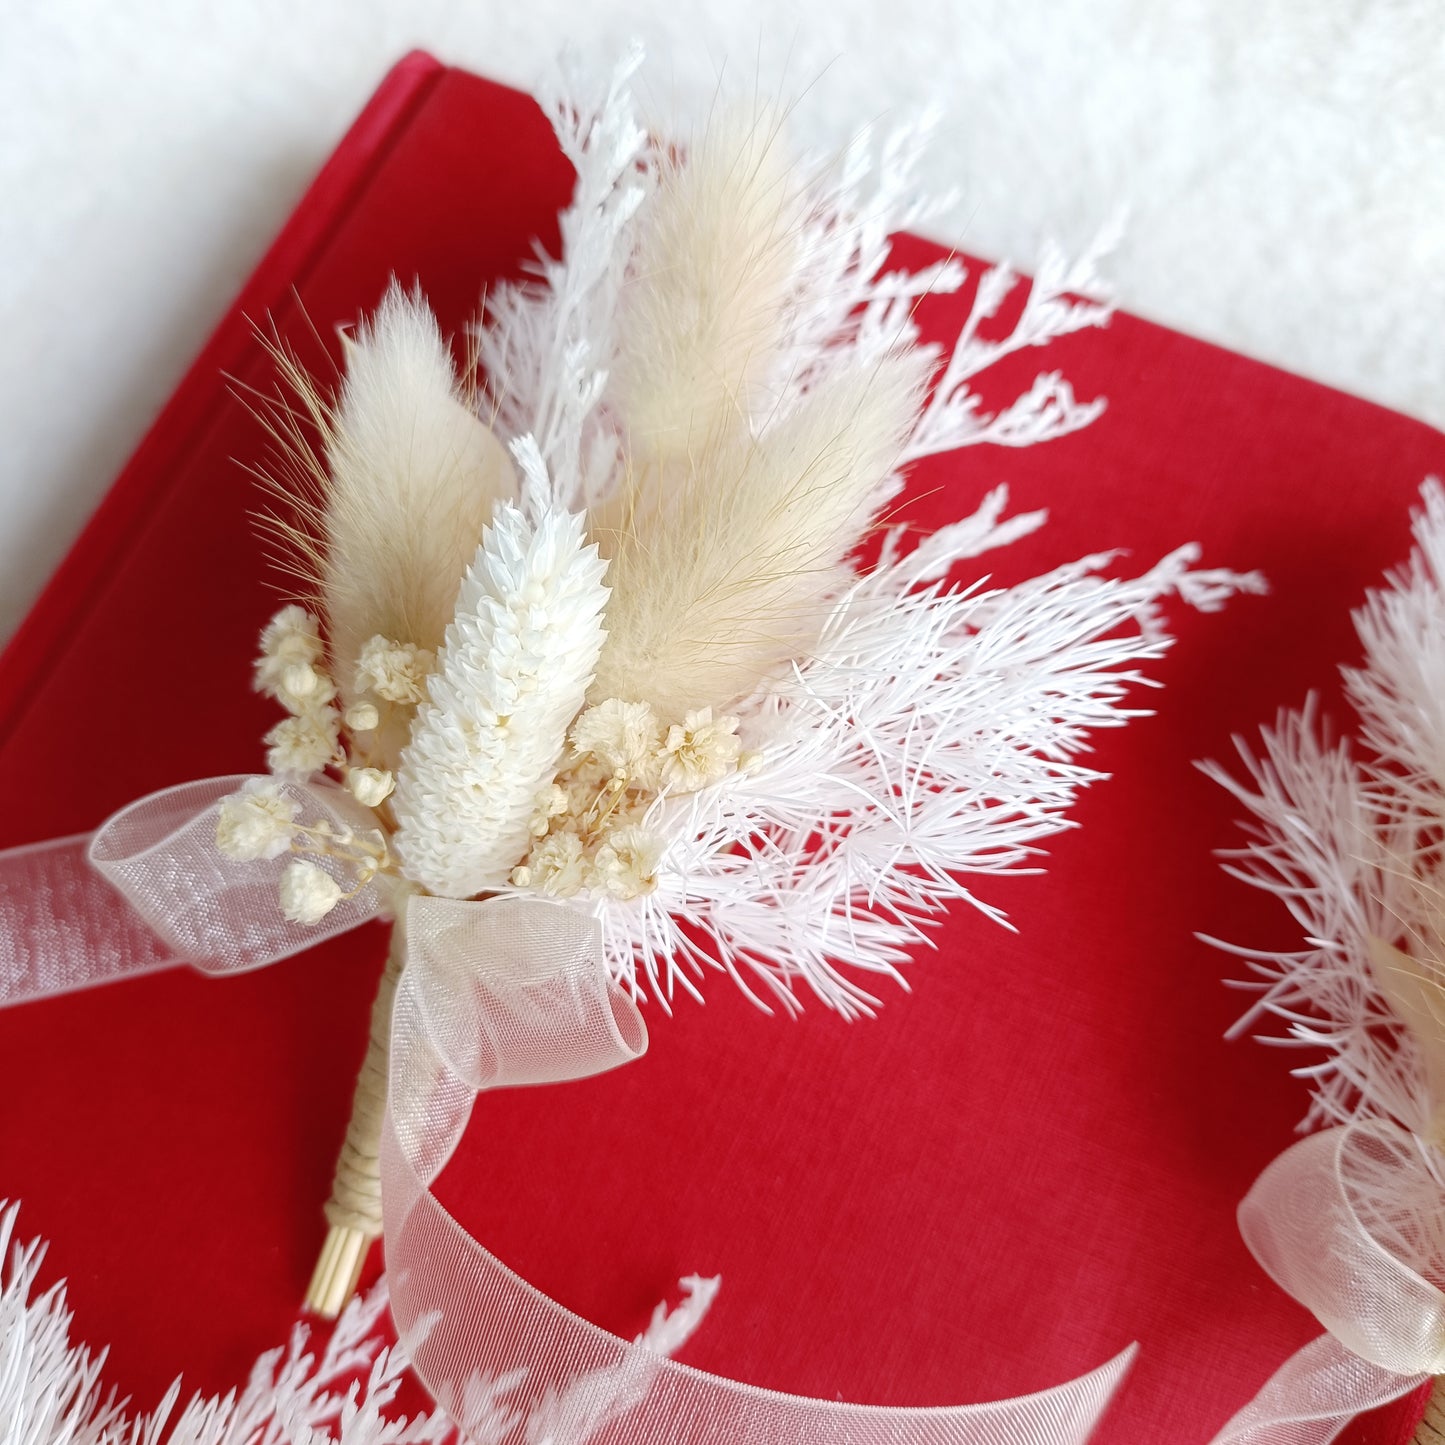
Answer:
(389, 517)
(414, 476)
(510, 678)
(714, 261)
(723, 564)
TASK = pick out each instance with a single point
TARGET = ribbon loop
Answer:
(1347, 1221)
(216, 912)
(1351, 1223)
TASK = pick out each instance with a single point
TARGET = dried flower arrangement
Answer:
(589, 622)
(1346, 833)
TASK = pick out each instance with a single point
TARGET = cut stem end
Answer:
(337, 1271)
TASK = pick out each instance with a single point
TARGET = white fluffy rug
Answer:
(1284, 165)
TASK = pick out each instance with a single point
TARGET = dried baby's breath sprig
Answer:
(290, 641)
(304, 744)
(371, 787)
(699, 751)
(308, 893)
(509, 680)
(394, 671)
(258, 822)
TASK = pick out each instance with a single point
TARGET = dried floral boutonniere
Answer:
(591, 625)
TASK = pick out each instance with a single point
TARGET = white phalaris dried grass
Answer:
(701, 318)
(510, 678)
(723, 565)
(413, 476)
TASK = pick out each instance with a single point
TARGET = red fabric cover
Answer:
(1026, 1162)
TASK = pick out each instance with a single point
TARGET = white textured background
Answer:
(1283, 161)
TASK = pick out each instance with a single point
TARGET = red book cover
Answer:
(1031, 1158)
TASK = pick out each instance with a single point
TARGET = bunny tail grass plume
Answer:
(510, 678)
(703, 309)
(724, 565)
(414, 476)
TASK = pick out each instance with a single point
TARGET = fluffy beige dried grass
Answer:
(384, 532)
(701, 314)
(723, 562)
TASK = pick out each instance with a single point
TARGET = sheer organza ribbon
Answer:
(1350, 1222)
(498, 993)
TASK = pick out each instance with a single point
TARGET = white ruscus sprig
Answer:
(510, 678)
(1345, 832)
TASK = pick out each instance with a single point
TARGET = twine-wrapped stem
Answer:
(354, 1209)
(1431, 1430)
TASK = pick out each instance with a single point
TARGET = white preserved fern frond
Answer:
(1349, 839)
(510, 678)
(934, 734)
(550, 343)
(52, 1390)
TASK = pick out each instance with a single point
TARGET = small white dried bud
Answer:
(292, 638)
(626, 863)
(700, 751)
(623, 735)
(301, 688)
(552, 802)
(370, 786)
(555, 866)
(305, 744)
(362, 717)
(308, 893)
(396, 671)
(257, 822)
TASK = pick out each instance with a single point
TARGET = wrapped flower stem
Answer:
(353, 1213)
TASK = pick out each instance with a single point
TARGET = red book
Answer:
(1027, 1161)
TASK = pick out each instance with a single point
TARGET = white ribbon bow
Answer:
(507, 991)
(1348, 1221)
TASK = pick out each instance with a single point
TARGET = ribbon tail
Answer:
(150, 889)
(514, 992)
(63, 927)
(1312, 1397)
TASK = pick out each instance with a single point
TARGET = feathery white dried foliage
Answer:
(510, 678)
(899, 734)
(934, 734)
(1349, 838)
(549, 343)
(552, 342)
(52, 1391)
(412, 478)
